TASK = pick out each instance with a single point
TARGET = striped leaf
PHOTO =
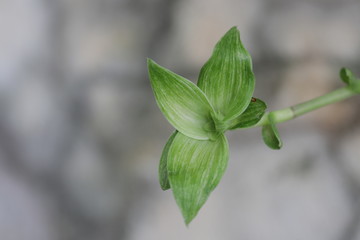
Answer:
(183, 104)
(195, 169)
(227, 78)
(252, 115)
(271, 135)
(163, 172)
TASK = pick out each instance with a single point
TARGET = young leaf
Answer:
(195, 169)
(227, 78)
(347, 76)
(251, 116)
(271, 135)
(184, 105)
(163, 172)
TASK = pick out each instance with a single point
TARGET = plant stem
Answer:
(289, 113)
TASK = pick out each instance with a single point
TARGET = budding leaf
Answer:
(163, 172)
(195, 169)
(251, 116)
(227, 78)
(347, 76)
(183, 104)
(271, 135)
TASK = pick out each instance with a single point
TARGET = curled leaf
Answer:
(163, 172)
(252, 115)
(347, 76)
(271, 135)
(227, 78)
(183, 104)
(195, 169)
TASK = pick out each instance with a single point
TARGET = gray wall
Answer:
(81, 135)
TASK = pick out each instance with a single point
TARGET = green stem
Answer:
(289, 113)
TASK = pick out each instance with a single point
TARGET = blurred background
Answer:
(81, 135)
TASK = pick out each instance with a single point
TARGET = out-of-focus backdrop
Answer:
(81, 135)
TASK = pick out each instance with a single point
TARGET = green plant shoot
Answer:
(196, 155)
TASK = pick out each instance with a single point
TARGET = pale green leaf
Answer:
(195, 169)
(184, 105)
(252, 115)
(356, 86)
(227, 78)
(271, 135)
(163, 172)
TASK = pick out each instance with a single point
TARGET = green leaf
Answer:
(356, 86)
(183, 104)
(195, 169)
(252, 115)
(271, 135)
(227, 78)
(347, 76)
(163, 172)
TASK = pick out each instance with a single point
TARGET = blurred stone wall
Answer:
(81, 135)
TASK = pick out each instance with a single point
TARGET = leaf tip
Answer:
(233, 31)
(278, 146)
(165, 187)
(188, 221)
(150, 63)
(346, 75)
(234, 28)
(188, 216)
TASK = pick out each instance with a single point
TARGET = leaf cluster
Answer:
(195, 156)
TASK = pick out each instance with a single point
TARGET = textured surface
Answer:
(227, 78)
(195, 168)
(183, 104)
